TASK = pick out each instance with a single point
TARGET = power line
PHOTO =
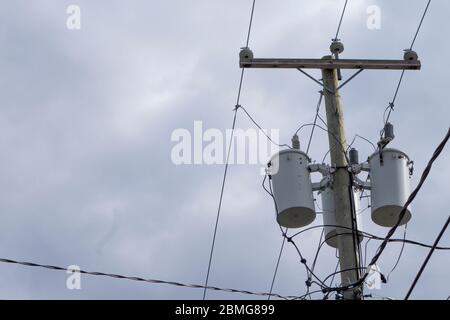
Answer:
(303, 261)
(260, 128)
(316, 255)
(220, 202)
(340, 21)
(335, 270)
(283, 241)
(420, 24)
(369, 236)
(140, 279)
(365, 139)
(228, 156)
(400, 254)
(315, 120)
(427, 258)
(373, 237)
(277, 265)
(390, 107)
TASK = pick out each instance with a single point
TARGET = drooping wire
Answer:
(424, 264)
(368, 236)
(260, 128)
(228, 156)
(363, 138)
(400, 254)
(371, 237)
(390, 107)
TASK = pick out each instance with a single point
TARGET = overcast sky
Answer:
(86, 117)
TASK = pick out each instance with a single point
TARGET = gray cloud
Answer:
(85, 124)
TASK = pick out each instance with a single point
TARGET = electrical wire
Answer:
(369, 236)
(228, 156)
(303, 261)
(326, 130)
(283, 241)
(390, 107)
(365, 250)
(424, 264)
(315, 120)
(277, 265)
(363, 138)
(340, 21)
(335, 270)
(365, 235)
(303, 297)
(373, 237)
(220, 201)
(261, 129)
(400, 254)
(140, 279)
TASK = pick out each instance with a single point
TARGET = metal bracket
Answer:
(358, 168)
(324, 169)
(327, 179)
(323, 184)
(366, 185)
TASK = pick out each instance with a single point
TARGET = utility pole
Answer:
(341, 182)
(348, 252)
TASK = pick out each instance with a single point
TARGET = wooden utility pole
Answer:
(348, 251)
(341, 184)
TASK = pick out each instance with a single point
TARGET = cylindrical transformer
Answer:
(389, 177)
(292, 188)
(329, 218)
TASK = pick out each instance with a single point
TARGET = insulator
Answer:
(389, 132)
(295, 142)
(246, 54)
(337, 47)
(354, 157)
(410, 55)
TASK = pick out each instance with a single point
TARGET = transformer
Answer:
(292, 188)
(389, 176)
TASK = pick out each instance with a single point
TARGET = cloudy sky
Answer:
(86, 118)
